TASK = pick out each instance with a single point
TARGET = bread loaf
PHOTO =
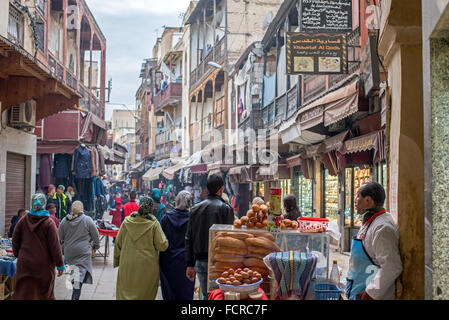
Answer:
(231, 242)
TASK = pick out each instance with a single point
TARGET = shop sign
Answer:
(319, 54)
(134, 183)
(370, 72)
(326, 15)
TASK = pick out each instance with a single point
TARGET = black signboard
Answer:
(370, 72)
(326, 16)
(316, 53)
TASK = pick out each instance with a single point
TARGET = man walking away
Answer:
(131, 206)
(213, 210)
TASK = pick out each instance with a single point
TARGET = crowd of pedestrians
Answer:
(169, 248)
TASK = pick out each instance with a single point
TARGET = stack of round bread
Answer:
(257, 217)
(240, 250)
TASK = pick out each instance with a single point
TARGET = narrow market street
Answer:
(244, 148)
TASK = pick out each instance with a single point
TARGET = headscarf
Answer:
(38, 203)
(145, 209)
(156, 195)
(77, 210)
(184, 201)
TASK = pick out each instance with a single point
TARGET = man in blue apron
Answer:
(375, 262)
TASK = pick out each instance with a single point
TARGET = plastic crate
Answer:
(327, 291)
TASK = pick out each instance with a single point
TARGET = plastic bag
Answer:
(333, 230)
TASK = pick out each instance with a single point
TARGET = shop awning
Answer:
(290, 130)
(170, 173)
(56, 147)
(139, 167)
(294, 161)
(153, 174)
(312, 151)
(332, 107)
(199, 168)
(240, 174)
(23, 77)
(334, 143)
(373, 141)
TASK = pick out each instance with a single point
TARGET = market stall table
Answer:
(105, 234)
(7, 273)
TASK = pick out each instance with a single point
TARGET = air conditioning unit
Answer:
(23, 115)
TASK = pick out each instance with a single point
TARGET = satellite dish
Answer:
(267, 21)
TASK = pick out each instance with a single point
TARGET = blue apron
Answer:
(362, 269)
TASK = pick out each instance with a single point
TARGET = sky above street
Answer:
(131, 28)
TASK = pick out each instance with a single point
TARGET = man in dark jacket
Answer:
(62, 203)
(213, 210)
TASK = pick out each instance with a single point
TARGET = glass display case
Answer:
(330, 196)
(304, 194)
(230, 248)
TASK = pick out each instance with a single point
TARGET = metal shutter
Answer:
(15, 186)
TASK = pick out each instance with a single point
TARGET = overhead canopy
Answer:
(170, 172)
(56, 147)
(333, 106)
(139, 167)
(23, 77)
(372, 141)
(153, 174)
(334, 143)
(240, 174)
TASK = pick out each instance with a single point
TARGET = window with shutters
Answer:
(15, 25)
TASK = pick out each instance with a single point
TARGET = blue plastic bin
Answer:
(327, 291)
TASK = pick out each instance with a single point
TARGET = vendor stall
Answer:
(263, 254)
(8, 266)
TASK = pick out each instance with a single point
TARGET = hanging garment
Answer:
(94, 164)
(62, 166)
(82, 163)
(46, 163)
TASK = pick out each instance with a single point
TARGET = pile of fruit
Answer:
(239, 277)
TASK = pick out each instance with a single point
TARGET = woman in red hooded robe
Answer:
(116, 212)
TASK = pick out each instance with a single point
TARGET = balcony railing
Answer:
(313, 86)
(169, 97)
(203, 68)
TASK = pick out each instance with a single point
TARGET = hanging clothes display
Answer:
(82, 163)
(62, 169)
(46, 163)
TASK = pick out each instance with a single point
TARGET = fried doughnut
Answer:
(238, 224)
(250, 214)
(244, 220)
(255, 208)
